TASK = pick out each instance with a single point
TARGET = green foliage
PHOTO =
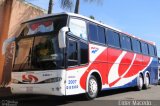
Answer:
(67, 4)
(92, 17)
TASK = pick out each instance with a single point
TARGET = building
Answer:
(12, 14)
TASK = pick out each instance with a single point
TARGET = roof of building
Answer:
(34, 6)
(89, 19)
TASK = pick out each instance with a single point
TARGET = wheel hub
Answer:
(92, 87)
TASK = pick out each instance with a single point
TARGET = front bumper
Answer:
(46, 89)
(50, 82)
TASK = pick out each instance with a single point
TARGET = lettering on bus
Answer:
(72, 84)
(72, 87)
(72, 81)
(71, 77)
(94, 49)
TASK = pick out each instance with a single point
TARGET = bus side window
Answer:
(101, 35)
(78, 28)
(113, 38)
(125, 42)
(97, 34)
(155, 51)
(83, 53)
(72, 53)
(93, 32)
(144, 48)
(151, 50)
(136, 45)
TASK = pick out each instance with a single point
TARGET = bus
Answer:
(158, 75)
(158, 70)
(69, 54)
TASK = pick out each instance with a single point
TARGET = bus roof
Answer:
(99, 23)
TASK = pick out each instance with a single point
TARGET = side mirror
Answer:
(6, 43)
(62, 37)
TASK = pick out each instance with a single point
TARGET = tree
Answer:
(91, 17)
(77, 6)
(65, 4)
(50, 6)
(68, 4)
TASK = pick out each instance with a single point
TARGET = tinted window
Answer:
(136, 45)
(72, 53)
(93, 32)
(83, 53)
(101, 35)
(144, 48)
(113, 38)
(155, 51)
(125, 42)
(151, 50)
(97, 33)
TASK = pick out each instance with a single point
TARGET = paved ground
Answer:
(5, 92)
(152, 93)
(107, 98)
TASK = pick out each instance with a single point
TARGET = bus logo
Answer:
(94, 49)
(29, 78)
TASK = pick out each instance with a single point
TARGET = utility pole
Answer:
(50, 7)
(77, 6)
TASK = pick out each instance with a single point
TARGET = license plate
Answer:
(29, 89)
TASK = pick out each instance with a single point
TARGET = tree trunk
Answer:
(50, 6)
(77, 6)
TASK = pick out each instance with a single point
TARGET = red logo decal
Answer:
(29, 78)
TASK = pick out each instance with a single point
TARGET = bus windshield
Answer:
(38, 53)
(39, 50)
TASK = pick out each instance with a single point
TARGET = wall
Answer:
(12, 14)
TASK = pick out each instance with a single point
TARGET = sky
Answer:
(140, 18)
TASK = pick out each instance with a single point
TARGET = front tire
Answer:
(92, 89)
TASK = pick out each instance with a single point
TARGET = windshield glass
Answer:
(37, 47)
(38, 53)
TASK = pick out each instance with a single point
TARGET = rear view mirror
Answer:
(62, 37)
(6, 43)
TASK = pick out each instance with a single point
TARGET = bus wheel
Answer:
(146, 85)
(139, 82)
(92, 89)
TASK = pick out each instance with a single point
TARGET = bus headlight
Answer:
(14, 81)
(52, 80)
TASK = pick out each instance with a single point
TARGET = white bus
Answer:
(68, 54)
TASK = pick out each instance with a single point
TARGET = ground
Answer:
(120, 97)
